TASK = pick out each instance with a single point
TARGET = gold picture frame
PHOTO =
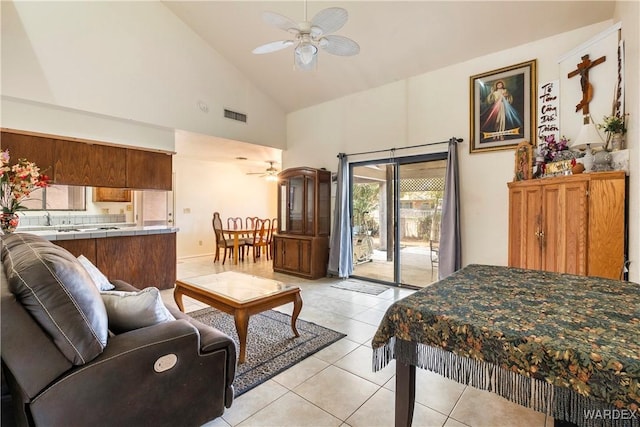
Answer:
(503, 107)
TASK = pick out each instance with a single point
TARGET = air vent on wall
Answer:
(233, 115)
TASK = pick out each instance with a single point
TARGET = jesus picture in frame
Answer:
(503, 107)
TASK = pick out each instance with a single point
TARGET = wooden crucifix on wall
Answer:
(587, 88)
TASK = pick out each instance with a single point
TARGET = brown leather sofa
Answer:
(65, 368)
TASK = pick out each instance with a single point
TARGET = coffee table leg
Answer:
(177, 296)
(242, 324)
(297, 306)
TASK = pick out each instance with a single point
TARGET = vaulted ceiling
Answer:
(398, 39)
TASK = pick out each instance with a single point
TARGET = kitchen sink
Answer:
(67, 230)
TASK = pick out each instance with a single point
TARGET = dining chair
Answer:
(259, 239)
(249, 224)
(235, 223)
(221, 241)
(268, 231)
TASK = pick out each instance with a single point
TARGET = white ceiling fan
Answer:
(308, 35)
(271, 173)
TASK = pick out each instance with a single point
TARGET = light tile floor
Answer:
(336, 386)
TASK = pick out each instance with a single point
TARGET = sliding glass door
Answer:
(396, 208)
(372, 220)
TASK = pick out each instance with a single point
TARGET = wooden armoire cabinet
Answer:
(569, 224)
(301, 245)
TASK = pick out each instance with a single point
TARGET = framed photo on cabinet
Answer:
(523, 169)
(503, 107)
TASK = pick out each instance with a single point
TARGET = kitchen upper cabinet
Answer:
(105, 194)
(148, 170)
(35, 149)
(71, 162)
(78, 163)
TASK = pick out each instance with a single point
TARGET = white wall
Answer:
(434, 107)
(628, 12)
(54, 120)
(129, 60)
(204, 187)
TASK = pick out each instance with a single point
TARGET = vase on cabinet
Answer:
(9, 222)
(617, 142)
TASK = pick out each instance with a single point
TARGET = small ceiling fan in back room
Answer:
(308, 35)
(270, 174)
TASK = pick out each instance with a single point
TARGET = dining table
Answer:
(561, 344)
(237, 234)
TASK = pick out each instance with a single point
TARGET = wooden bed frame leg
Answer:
(405, 393)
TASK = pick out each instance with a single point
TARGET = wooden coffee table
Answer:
(241, 295)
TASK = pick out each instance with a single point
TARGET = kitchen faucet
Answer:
(47, 216)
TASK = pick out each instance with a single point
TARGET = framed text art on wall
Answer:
(503, 107)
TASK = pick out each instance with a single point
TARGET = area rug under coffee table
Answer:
(271, 346)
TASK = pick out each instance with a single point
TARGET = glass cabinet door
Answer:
(295, 203)
(324, 200)
(310, 206)
(283, 208)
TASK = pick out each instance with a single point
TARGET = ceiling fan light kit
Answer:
(308, 35)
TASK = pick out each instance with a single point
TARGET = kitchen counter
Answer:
(95, 232)
(141, 256)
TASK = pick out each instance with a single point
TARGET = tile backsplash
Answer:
(56, 220)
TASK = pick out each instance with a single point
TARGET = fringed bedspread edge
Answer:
(558, 402)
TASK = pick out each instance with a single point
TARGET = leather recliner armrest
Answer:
(211, 339)
(125, 382)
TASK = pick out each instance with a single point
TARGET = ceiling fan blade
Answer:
(329, 20)
(339, 45)
(280, 21)
(272, 47)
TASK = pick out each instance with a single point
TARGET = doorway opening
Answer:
(396, 209)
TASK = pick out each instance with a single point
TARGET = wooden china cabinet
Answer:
(569, 224)
(301, 245)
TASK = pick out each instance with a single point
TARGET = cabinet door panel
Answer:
(78, 163)
(553, 239)
(606, 228)
(291, 260)
(278, 252)
(525, 224)
(295, 206)
(324, 201)
(104, 194)
(565, 227)
(35, 149)
(310, 207)
(575, 229)
(304, 259)
(148, 170)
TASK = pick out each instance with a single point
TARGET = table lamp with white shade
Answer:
(588, 138)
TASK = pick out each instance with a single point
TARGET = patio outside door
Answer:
(396, 212)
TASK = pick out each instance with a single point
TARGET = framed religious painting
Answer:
(503, 107)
